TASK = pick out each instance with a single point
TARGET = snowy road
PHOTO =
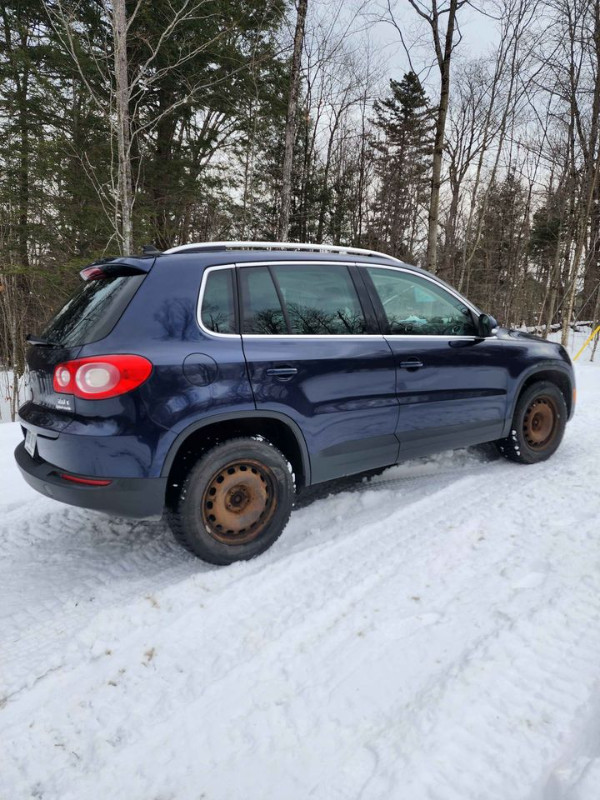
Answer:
(434, 634)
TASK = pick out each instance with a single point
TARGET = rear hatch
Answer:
(88, 316)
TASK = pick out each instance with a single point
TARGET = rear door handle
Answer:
(411, 363)
(282, 373)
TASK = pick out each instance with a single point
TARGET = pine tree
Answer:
(403, 156)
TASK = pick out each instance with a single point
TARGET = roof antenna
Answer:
(150, 250)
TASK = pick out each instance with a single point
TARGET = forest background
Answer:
(460, 136)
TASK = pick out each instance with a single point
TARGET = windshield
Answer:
(93, 311)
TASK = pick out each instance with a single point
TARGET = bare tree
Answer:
(513, 76)
(465, 142)
(444, 43)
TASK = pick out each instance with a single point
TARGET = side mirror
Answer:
(487, 324)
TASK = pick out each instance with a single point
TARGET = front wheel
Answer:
(538, 424)
(235, 502)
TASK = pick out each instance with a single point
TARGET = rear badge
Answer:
(65, 403)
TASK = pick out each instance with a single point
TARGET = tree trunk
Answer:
(161, 181)
(438, 147)
(325, 190)
(123, 123)
(552, 287)
(590, 178)
(595, 322)
(448, 266)
(23, 235)
(290, 125)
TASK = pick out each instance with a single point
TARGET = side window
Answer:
(218, 307)
(320, 300)
(414, 305)
(261, 309)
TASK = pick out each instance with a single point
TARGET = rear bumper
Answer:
(125, 497)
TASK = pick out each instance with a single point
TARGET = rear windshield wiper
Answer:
(36, 340)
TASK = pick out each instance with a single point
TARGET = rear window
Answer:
(93, 311)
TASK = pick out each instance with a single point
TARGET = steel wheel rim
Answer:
(239, 502)
(540, 422)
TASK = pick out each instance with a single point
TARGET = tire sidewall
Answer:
(197, 537)
(526, 453)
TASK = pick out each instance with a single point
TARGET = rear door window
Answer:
(261, 308)
(320, 300)
(93, 311)
(300, 299)
(218, 304)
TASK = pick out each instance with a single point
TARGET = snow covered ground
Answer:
(433, 634)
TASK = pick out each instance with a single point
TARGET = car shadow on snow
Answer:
(427, 467)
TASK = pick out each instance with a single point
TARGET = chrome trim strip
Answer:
(354, 336)
(325, 336)
(283, 263)
(454, 337)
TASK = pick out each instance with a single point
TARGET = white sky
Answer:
(479, 37)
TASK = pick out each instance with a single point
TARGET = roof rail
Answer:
(298, 246)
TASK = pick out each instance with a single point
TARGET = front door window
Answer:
(417, 306)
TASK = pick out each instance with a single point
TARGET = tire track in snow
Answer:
(113, 562)
(317, 620)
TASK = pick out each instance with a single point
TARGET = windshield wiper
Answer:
(36, 340)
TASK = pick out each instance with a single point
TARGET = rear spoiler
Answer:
(117, 267)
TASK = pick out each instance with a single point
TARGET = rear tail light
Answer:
(101, 377)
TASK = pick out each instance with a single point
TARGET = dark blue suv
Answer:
(213, 382)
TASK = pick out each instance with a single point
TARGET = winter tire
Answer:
(538, 424)
(235, 501)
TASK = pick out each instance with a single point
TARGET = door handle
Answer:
(282, 373)
(411, 363)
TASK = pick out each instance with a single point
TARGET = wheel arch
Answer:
(200, 436)
(555, 372)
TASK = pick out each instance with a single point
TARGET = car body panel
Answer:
(459, 394)
(342, 397)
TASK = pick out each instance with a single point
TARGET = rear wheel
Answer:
(538, 424)
(235, 502)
